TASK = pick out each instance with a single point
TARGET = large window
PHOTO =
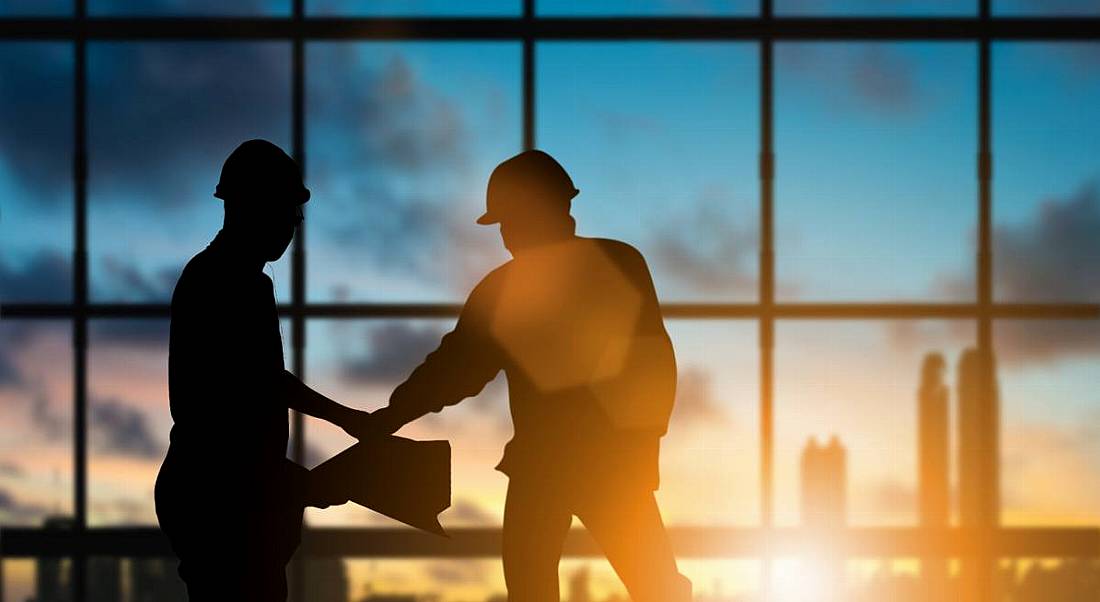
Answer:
(847, 206)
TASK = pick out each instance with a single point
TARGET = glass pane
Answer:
(413, 7)
(661, 139)
(37, 579)
(1050, 412)
(709, 461)
(402, 137)
(1049, 578)
(875, 185)
(204, 8)
(128, 418)
(897, 8)
(1045, 8)
(1046, 177)
(162, 119)
(121, 579)
(641, 8)
(36, 138)
(36, 409)
(36, 8)
(861, 383)
(582, 580)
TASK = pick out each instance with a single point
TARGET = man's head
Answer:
(263, 192)
(529, 196)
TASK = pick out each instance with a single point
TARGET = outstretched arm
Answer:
(300, 397)
(465, 361)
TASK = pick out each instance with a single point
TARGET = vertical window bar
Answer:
(767, 299)
(298, 567)
(528, 75)
(78, 581)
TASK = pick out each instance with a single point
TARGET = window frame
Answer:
(985, 541)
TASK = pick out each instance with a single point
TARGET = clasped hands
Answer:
(321, 492)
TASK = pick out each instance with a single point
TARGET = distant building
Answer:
(979, 461)
(979, 441)
(326, 579)
(156, 580)
(580, 587)
(104, 576)
(933, 447)
(824, 484)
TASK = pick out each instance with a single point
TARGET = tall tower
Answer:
(979, 461)
(824, 484)
(979, 441)
(934, 459)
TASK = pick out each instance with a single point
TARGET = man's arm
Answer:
(466, 360)
(300, 397)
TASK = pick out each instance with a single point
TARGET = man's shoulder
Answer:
(616, 249)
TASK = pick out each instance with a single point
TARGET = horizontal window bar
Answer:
(689, 542)
(812, 311)
(610, 28)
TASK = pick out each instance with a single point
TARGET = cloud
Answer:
(119, 428)
(868, 76)
(706, 249)
(10, 375)
(695, 402)
(20, 512)
(144, 332)
(11, 469)
(394, 349)
(45, 277)
(123, 278)
(1053, 257)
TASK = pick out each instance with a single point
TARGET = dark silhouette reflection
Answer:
(227, 497)
(575, 324)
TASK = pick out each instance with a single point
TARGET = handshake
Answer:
(322, 491)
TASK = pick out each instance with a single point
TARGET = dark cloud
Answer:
(19, 512)
(149, 333)
(45, 420)
(706, 249)
(874, 76)
(11, 469)
(695, 402)
(1053, 257)
(394, 349)
(119, 428)
(123, 278)
(10, 375)
(45, 277)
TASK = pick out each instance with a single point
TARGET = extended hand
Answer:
(320, 493)
(362, 425)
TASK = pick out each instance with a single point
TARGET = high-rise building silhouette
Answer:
(979, 441)
(824, 479)
(327, 579)
(580, 588)
(979, 461)
(104, 575)
(934, 458)
(824, 508)
(52, 574)
(156, 580)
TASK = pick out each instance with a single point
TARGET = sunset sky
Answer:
(876, 200)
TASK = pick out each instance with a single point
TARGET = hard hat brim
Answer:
(487, 220)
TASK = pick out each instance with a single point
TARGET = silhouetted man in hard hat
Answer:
(227, 496)
(575, 324)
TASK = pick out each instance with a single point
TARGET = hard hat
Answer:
(527, 178)
(259, 168)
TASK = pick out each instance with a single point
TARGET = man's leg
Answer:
(628, 528)
(535, 525)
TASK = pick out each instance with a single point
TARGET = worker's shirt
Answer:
(577, 329)
(225, 365)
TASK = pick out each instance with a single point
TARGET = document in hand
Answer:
(406, 480)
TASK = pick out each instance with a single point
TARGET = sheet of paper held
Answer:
(406, 480)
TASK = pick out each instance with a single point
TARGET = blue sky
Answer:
(876, 197)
